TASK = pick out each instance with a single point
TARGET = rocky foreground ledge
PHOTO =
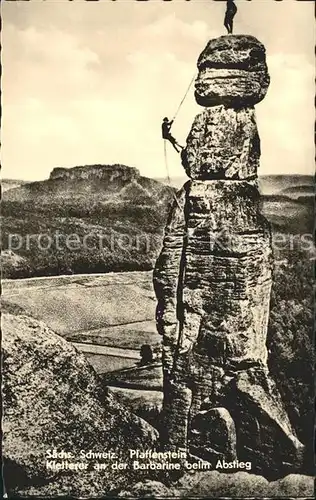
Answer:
(53, 400)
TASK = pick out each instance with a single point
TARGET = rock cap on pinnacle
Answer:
(232, 72)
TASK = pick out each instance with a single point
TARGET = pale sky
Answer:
(89, 82)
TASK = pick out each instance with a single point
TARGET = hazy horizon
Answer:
(88, 82)
(158, 178)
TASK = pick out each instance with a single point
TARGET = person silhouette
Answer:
(230, 13)
(166, 134)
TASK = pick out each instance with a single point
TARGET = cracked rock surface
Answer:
(54, 400)
(232, 71)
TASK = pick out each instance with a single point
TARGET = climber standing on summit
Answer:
(231, 10)
(165, 129)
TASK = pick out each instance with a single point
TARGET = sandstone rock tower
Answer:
(213, 277)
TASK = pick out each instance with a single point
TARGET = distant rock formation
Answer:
(214, 274)
(106, 172)
(92, 183)
(112, 206)
(53, 399)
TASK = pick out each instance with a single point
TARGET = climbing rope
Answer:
(183, 98)
(165, 141)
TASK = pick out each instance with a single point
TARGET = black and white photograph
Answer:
(157, 249)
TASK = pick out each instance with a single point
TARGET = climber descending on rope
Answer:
(166, 134)
(230, 13)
